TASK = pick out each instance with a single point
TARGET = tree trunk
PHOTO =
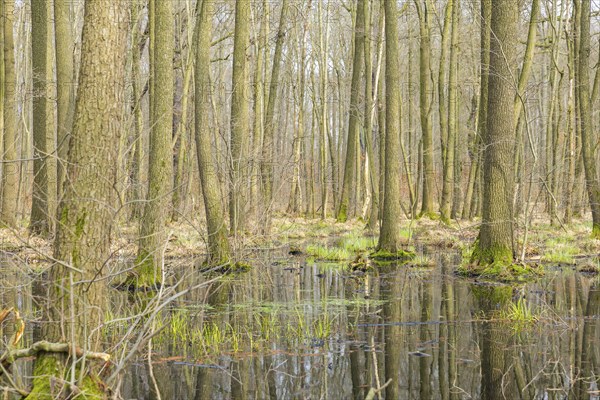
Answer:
(64, 84)
(137, 167)
(353, 123)
(476, 148)
(449, 146)
(295, 194)
(269, 139)
(389, 236)
(11, 167)
(258, 129)
(160, 164)
(239, 116)
(39, 221)
(218, 245)
(588, 139)
(82, 244)
(442, 102)
(427, 202)
(324, 127)
(495, 242)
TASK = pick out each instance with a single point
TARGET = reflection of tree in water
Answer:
(587, 370)
(494, 341)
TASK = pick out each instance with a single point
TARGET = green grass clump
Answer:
(326, 253)
(356, 243)
(519, 314)
(560, 251)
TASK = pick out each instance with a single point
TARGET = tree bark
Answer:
(449, 146)
(82, 245)
(588, 139)
(218, 244)
(11, 168)
(39, 220)
(160, 164)
(495, 242)
(65, 89)
(427, 202)
(353, 122)
(269, 138)
(389, 235)
(239, 116)
(476, 148)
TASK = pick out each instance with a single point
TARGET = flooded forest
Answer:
(300, 199)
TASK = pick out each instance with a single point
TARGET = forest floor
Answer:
(545, 244)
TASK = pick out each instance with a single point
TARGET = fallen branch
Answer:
(373, 391)
(49, 347)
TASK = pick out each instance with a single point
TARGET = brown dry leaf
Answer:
(4, 313)
(20, 330)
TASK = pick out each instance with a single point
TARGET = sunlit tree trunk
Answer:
(427, 204)
(137, 167)
(269, 138)
(442, 80)
(218, 245)
(11, 167)
(259, 108)
(295, 199)
(65, 90)
(449, 146)
(475, 152)
(239, 116)
(348, 184)
(324, 84)
(160, 164)
(82, 245)
(588, 136)
(373, 178)
(495, 242)
(389, 236)
(182, 135)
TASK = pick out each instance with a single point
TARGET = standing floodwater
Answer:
(295, 329)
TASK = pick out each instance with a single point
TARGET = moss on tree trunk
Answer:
(495, 243)
(82, 245)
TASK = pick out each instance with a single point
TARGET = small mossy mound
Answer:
(48, 380)
(387, 256)
(430, 215)
(503, 272)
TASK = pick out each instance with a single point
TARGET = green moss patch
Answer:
(386, 256)
(49, 381)
(503, 272)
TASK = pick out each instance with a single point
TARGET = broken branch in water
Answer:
(11, 354)
(373, 391)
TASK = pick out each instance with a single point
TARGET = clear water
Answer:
(295, 329)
